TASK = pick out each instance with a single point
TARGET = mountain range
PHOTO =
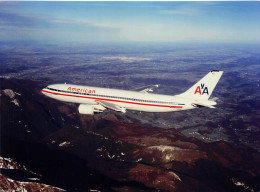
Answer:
(49, 141)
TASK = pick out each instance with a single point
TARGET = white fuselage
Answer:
(131, 100)
(96, 99)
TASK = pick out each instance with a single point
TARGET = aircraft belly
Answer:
(148, 108)
(136, 107)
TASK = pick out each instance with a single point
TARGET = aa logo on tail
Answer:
(202, 89)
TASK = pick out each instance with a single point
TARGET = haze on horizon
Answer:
(56, 22)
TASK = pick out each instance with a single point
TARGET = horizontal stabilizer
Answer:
(206, 103)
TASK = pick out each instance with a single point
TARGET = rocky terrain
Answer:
(24, 180)
(45, 143)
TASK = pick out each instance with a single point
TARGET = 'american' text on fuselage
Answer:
(79, 90)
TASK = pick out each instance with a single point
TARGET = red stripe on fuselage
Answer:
(119, 101)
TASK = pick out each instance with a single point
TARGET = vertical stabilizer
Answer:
(203, 88)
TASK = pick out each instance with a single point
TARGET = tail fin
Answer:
(203, 88)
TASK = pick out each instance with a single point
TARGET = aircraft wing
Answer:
(112, 106)
(145, 89)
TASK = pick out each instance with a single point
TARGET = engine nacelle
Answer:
(86, 109)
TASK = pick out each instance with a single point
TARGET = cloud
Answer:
(13, 19)
(181, 11)
(177, 22)
(15, 26)
(5, 5)
(121, 4)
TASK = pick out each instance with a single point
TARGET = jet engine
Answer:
(86, 109)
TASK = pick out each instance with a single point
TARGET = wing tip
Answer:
(216, 71)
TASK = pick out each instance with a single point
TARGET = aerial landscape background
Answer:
(48, 145)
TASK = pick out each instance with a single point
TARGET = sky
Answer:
(206, 22)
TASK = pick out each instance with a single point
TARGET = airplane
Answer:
(95, 99)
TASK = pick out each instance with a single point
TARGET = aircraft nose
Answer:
(43, 91)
